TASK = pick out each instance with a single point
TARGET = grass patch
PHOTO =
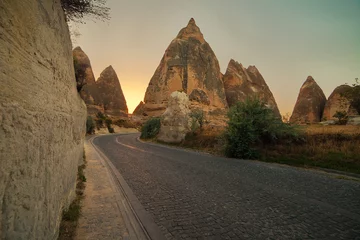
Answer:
(70, 217)
(332, 147)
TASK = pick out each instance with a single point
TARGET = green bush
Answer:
(150, 128)
(197, 120)
(90, 125)
(342, 117)
(108, 122)
(111, 130)
(251, 125)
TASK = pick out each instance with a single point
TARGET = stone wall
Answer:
(42, 119)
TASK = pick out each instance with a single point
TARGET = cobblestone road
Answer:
(199, 196)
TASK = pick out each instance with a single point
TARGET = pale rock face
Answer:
(309, 104)
(110, 93)
(188, 64)
(240, 83)
(175, 121)
(89, 91)
(42, 119)
(139, 110)
(336, 102)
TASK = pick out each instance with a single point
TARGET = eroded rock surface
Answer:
(42, 119)
(336, 102)
(240, 83)
(175, 121)
(139, 110)
(309, 104)
(82, 64)
(188, 64)
(110, 93)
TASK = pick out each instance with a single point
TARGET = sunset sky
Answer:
(287, 40)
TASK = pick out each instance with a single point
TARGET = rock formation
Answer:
(82, 64)
(89, 92)
(110, 93)
(336, 103)
(240, 83)
(42, 119)
(139, 110)
(175, 121)
(309, 104)
(188, 65)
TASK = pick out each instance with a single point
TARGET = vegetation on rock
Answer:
(79, 75)
(353, 95)
(76, 10)
(150, 128)
(197, 120)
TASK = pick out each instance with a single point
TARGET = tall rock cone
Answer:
(336, 102)
(111, 94)
(240, 83)
(309, 104)
(82, 66)
(189, 65)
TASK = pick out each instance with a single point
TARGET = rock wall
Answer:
(42, 119)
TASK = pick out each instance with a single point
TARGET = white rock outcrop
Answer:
(42, 119)
(175, 121)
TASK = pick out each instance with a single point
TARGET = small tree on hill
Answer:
(341, 116)
(353, 95)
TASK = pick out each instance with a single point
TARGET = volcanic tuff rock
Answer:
(310, 103)
(336, 102)
(175, 121)
(82, 64)
(139, 110)
(42, 119)
(111, 94)
(240, 83)
(188, 64)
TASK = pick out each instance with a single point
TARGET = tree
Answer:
(76, 10)
(341, 116)
(252, 124)
(197, 120)
(353, 95)
(150, 128)
(90, 125)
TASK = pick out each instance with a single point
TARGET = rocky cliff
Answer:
(139, 110)
(42, 119)
(188, 65)
(89, 92)
(336, 102)
(82, 64)
(240, 83)
(110, 93)
(309, 104)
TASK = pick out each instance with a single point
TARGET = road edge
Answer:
(318, 169)
(138, 218)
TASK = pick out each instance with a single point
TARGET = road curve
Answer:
(192, 195)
